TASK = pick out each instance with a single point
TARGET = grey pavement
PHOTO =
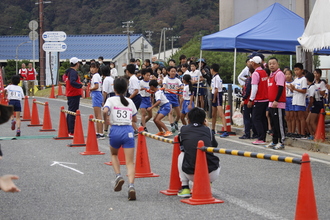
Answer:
(250, 188)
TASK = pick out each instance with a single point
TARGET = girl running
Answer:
(122, 112)
(146, 98)
(188, 98)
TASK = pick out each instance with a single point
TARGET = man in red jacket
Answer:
(277, 100)
(259, 95)
(31, 78)
(73, 92)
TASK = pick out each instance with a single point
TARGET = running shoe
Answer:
(184, 193)
(161, 133)
(244, 137)
(13, 124)
(145, 129)
(70, 134)
(118, 183)
(136, 133)
(131, 193)
(279, 146)
(18, 133)
(224, 134)
(168, 133)
(100, 136)
(270, 145)
(259, 142)
(173, 128)
(176, 126)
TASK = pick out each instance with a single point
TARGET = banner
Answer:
(51, 68)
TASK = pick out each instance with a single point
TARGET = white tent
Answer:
(317, 32)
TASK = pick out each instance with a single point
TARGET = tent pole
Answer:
(234, 66)
(199, 68)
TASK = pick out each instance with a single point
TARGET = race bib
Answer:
(122, 115)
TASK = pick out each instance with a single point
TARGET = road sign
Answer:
(33, 35)
(54, 36)
(33, 25)
(54, 46)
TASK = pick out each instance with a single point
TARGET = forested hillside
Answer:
(187, 18)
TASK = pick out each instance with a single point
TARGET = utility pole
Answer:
(166, 29)
(127, 25)
(160, 43)
(308, 55)
(148, 35)
(172, 39)
(41, 42)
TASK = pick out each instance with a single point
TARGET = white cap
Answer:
(74, 60)
(256, 60)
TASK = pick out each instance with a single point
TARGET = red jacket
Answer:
(262, 93)
(273, 90)
(73, 84)
(31, 74)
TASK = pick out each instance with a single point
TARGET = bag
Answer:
(238, 118)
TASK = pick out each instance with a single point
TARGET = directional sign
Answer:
(54, 36)
(54, 46)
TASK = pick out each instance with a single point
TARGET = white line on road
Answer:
(62, 164)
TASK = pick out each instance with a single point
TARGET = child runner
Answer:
(189, 136)
(122, 112)
(146, 98)
(165, 108)
(188, 98)
(195, 76)
(133, 90)
(289, 111)
(171, 85)
(299, 88)
(97, 98)
(15, 94)
(216, 85)
(107, 90)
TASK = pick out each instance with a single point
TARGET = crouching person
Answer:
(189, 136)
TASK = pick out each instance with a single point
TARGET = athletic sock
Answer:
(131, 185)
(118, 174)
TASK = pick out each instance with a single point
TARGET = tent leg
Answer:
(235, 53)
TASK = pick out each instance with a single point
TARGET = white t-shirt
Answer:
(114, 72)
(14, 92)
(133, 84)
(160, 96)
(298, 97)
(242, 76)
(108, 85)
(216, 83)
(120, 114)
(144, 85)
(96, 79)
(186, 93)
(320, 87)
(287, 90)
(172, 83)
(311, 91)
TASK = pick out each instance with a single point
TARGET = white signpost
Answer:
(52, 46)
(33, 35)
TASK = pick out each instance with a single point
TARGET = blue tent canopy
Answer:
(273, 30)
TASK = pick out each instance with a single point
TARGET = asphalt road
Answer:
(82, 188)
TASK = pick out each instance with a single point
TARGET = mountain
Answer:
(187, 18)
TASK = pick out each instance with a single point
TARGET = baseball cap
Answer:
(74, 60)
(156, 62)
(256, 60)
(253, 54)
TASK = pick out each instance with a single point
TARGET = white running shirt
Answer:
(298, 97)
(216, 83)
(108, 85)
(96, 79)
(160, 96)
(144, 85)
(120, 114)
(14, 92)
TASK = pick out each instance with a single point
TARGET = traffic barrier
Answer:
(47, 122)
(142, 164)
(320, 130)
(91, 142)
(35, 115)
(62, 127)
(121, 157)
(78, 136)
(52, 93)
(228, 121)
(26, 112)
(175, 182)
(306, 203)
(59, 90)
(201, 193)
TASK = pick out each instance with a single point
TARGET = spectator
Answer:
(289, 111)
(23, 75)
(114, 72)
(31, 78)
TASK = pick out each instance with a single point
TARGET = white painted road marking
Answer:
(62, 164)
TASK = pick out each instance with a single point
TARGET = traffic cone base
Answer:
(35, 125)
(45, 130)
(62, 138)
(175, 183)
(92, 147)
(201, 201)
(76, 145)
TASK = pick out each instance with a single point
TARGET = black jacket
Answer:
(188, 138)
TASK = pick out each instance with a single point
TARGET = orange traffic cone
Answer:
(47, 122)
(62, 127)
(26, 113)
(52, 93)
(121, 157)
(306, 203)
(202, 189)
(320, 130)
(175, 183)
(87, 91)
(4, 101)
(59, 92)
(92, 147)
(142, 165)
(35, 115)
(78, 137)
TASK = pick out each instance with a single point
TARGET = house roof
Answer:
(81, 46)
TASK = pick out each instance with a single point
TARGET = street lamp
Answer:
(17, 54)
(172, 39)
